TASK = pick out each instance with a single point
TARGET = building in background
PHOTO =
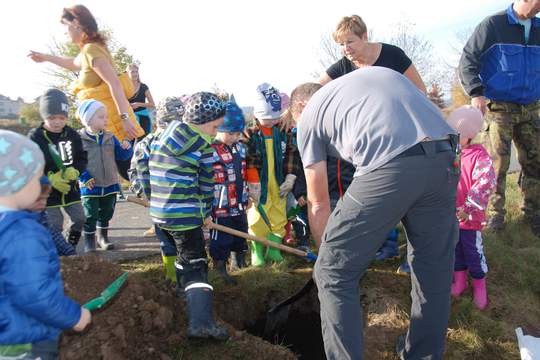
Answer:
(9, 109)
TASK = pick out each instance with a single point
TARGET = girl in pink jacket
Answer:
(475, 186)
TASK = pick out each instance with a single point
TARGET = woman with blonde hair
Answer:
(358, 52)
(98, 78)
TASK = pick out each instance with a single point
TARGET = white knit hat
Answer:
(87, 109)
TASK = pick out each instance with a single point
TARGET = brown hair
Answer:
(86, 21)
(302, 93)
(349, 24)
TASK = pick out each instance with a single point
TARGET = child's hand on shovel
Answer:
(84, 320)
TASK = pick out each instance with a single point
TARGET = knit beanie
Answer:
(168, 110)
(467, 121)
(269, 104)
(234, 119)
(87, 109)
(53, 102)
(20, 160)
(203, 107)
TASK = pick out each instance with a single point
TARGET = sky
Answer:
(189, 46)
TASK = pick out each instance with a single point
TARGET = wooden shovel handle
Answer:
(137, 200)
(234, 232)
(258, 239)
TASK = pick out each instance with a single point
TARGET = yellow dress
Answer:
(90, 86)
(274, 209)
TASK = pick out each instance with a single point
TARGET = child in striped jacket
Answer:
(182, 191)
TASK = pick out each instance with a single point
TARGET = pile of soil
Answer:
(144, 321)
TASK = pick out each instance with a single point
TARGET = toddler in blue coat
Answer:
(33, 307)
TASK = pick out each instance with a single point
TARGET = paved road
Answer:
(126, 228)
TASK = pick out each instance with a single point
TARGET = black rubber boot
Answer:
(103, 239)
(221, 268)
(74, 237)
(201, 324)
(89, 242)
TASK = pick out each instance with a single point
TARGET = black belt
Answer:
(418, 149)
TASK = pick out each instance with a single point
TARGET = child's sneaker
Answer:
(389, 249)
(404, 268)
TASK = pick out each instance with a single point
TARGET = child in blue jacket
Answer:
(33, 307)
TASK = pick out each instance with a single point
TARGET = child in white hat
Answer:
(271, 166)
(99, 183)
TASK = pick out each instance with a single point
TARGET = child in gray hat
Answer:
(33, 307)
(65, 160)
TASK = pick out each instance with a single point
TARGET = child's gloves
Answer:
(58, 182)
(71, 173)
(287, 185)
(254, 190)
(84, 320)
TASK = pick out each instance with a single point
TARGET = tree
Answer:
(420, 50)
(459, 97)
(221, 93)
(436, 95)
(29, 114)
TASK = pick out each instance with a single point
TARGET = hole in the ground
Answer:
(300, 332)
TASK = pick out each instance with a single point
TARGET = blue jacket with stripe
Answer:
(497, 62)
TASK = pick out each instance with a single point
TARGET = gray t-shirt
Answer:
(367, 117)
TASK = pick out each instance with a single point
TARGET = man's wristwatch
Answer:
(124, 116)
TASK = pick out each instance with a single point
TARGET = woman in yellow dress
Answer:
(98, 78)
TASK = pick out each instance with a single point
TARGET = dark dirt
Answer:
(144, 321)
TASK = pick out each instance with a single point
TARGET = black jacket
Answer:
(69, 145)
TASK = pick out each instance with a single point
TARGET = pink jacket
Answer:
(475, 186)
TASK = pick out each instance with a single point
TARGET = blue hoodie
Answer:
(33, 306)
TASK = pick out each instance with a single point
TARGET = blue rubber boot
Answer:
(389, 249)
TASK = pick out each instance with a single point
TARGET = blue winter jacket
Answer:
(33, 306)
(497, 62)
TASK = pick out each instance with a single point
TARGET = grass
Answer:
(513, 279)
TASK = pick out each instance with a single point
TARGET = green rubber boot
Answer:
(274, 254)
(257, 254)
(168, 264)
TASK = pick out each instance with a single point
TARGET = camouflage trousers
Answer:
(505, 122)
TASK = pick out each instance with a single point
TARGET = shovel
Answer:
(308, 255)
(107, 294)
(277, 316)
